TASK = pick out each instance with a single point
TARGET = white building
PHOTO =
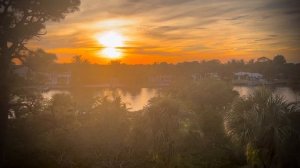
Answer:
(247, 78)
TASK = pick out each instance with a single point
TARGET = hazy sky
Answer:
(179, 30)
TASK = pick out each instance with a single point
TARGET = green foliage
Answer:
(180, 128)
(20, 21)
(262, 122)
(204, 93)
(161, 128)
(207, 146)
(59, 136)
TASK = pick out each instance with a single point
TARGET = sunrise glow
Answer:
(111, 53)
(111, 39)
(172, 33)
(111, 42)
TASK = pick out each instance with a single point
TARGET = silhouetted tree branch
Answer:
(20, 21)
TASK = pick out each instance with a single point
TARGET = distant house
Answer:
(248, 78)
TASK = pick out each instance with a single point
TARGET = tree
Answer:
(279, 60)
(20, 21)
(39, 60)
(80, 67)
(41, 125)
(262, 123)
(263, 60)
(105, 130)
(160, 131)
(207, 101)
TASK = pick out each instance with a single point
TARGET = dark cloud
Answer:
(281, 5)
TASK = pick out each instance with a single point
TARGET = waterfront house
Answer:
(248, 78)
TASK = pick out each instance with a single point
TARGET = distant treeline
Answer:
(84, 72)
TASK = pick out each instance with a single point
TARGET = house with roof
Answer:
(248, 78)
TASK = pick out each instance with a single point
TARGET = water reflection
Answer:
(133, 99)
(49, 94)
(136, 99)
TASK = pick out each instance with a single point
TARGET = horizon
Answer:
(145, 32)
(115, 61)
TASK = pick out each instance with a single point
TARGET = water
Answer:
(288, 93)
(134, 99)
(138, 98)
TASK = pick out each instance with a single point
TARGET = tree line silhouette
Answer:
(85, 73)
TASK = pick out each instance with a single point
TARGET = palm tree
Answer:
(162, 127)
(262, 124)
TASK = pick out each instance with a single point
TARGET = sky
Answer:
(177, 30)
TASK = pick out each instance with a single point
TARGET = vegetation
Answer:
(20, 21)
(264, 125)
(197, 121)
(85, 73)
(180, 128)
(192, 123)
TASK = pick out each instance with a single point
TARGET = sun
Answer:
(111, 41)
(112, 53)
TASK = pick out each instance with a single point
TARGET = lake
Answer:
(288, 93)
(136, 99)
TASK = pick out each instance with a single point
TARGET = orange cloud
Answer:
(177, 30)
